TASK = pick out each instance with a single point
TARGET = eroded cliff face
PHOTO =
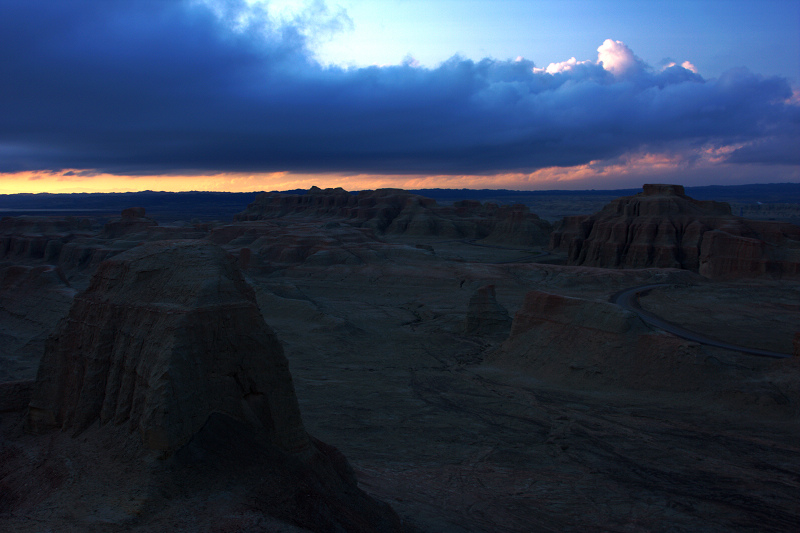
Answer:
(397, 212)
(166, 334)
(662, 227)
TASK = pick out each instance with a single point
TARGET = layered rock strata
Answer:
(662, 227)
(397, 212)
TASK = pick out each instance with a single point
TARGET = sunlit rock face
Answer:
(662, 227)
(398, 212)
(166, 334)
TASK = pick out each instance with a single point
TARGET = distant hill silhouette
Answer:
(165, 206)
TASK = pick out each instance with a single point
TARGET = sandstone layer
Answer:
(662, 227)
(397, 212)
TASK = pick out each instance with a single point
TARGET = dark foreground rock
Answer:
(165, 369)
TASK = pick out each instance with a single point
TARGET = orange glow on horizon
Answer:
(76, 181)
(627, 171)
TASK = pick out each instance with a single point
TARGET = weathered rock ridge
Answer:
(397, 212)
(662, 227)
(76, 243)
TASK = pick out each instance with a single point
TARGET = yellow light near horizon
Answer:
(630, 170)
(87, 182)
(77, 181)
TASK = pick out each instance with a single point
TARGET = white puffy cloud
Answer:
(617, 58)
(613, 56)
(563, 66)
(688, 66)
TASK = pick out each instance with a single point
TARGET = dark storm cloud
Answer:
(164, 86)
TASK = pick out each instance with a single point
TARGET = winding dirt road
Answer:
(629, 299)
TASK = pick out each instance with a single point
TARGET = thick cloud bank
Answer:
(154, 86)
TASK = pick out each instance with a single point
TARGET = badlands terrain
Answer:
(383, 361)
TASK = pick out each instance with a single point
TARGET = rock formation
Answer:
(485, 316)
(165, 335)
(132, 220)
(33, 299)
(39, 238)
(272, 244)
(397, 212)
(662, 227)
(76, 244)
(167, 350)
(592, 343)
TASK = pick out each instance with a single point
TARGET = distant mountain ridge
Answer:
(224, 205)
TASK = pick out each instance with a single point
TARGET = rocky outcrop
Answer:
(485, 316)
(165, 335)
(39, 238)
(165, 363)
(132, 220)
(754, 249)
(75, 244)
(662, 227)
(397, 212)
(592, 343)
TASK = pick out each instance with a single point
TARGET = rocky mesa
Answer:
(398, 212)
(662, 227)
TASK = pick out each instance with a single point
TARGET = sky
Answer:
(248, 95)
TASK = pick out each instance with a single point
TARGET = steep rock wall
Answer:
(166, 334)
